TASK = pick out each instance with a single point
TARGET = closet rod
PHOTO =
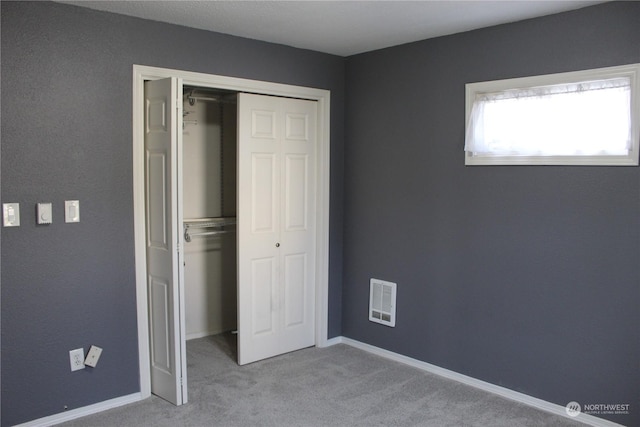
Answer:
(193, 98)
(188, 236)
(202, 98)
(209, 222)
(219, 223)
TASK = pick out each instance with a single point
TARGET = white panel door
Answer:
(276, 225)
(162, 234)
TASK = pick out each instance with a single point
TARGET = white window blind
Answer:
(590, 121)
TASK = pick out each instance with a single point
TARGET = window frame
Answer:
(631, 71)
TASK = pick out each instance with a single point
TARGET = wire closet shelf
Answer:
(202, 227)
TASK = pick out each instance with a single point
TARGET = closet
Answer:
(231, 230)
(209, 152)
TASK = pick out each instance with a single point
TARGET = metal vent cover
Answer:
(382, 302)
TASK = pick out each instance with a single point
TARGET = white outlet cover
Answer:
(76, 359)
(93, 356)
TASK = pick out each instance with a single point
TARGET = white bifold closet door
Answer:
(163, 219)
(276, 225)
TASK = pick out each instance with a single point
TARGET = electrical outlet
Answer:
(76, 358)
(93, 356)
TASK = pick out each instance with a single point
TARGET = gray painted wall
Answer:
(66, 134)
(525, 277)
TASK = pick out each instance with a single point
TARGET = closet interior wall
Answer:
(209, 192)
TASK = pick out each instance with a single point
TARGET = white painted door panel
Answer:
(276, 225)
(298, 226)
(161, 210)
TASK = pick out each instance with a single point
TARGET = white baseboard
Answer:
(427, 367)
(197, 335)
(333, 341)
(482, 385)
(82, 412)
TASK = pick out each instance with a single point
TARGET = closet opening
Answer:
(209, 165)
(276, 189)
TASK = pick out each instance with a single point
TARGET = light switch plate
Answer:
(11, 214)
(71, 211)
(93, 356)
(44, 213)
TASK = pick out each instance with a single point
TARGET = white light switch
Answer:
(44, 213)
(11, 214)
(71, 211)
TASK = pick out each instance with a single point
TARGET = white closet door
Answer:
(276, 225)
(161, 171)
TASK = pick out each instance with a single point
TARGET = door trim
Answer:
(323, 97)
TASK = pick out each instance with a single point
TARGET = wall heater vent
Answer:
(382, 302)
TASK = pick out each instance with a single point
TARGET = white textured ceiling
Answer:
(339, 27)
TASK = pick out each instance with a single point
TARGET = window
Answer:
(578, 118)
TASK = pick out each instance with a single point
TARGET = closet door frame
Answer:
(143, 73)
